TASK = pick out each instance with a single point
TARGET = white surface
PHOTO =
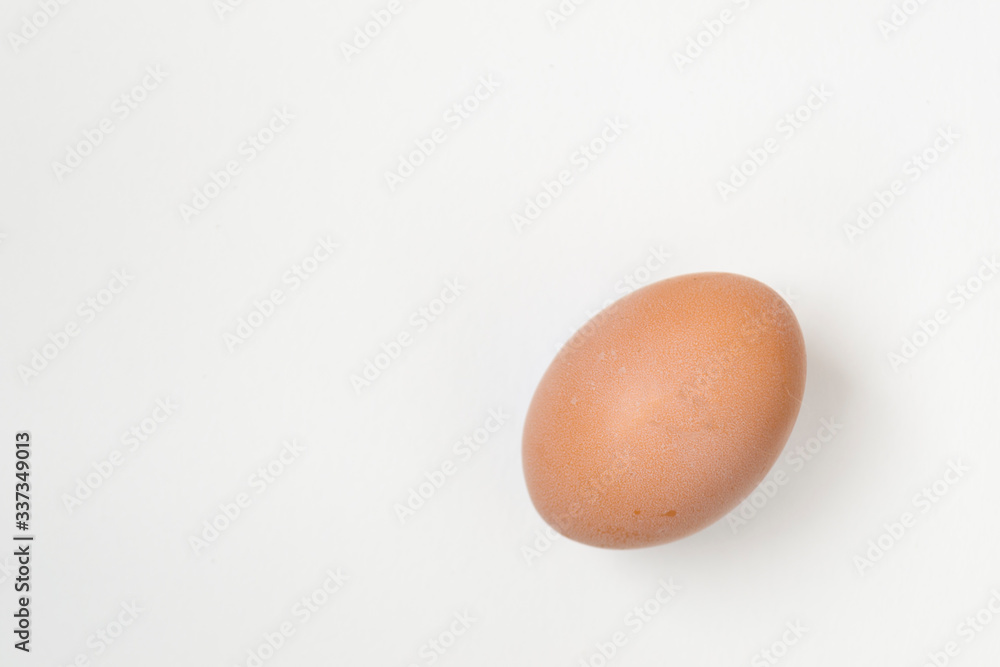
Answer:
(524, 294)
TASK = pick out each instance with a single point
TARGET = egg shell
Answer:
(664, 411)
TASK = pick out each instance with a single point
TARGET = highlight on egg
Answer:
(664, 411)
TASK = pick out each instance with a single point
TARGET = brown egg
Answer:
(664, 411)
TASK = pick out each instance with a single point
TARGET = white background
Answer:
(468, 548)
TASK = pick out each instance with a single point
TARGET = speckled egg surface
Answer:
(664, 411)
